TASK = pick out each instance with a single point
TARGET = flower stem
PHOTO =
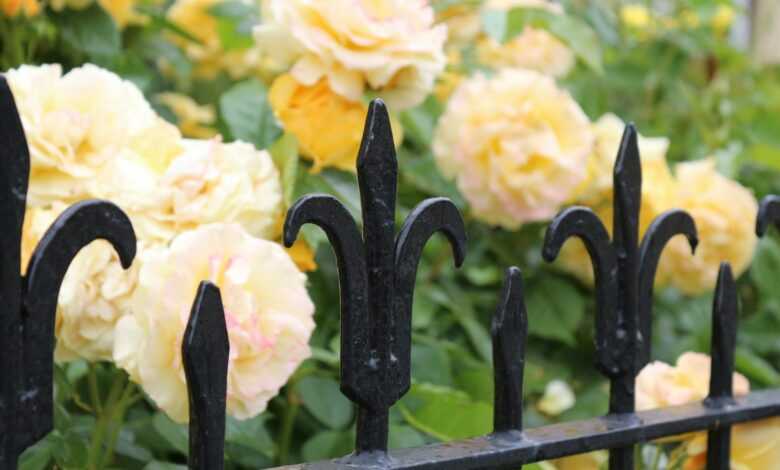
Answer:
(291, 411)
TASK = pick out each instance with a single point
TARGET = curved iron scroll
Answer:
(376, 275)
(663, 228)
(29, 305)
(768, 214)
(584, 224)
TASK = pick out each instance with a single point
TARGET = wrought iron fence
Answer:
(377, 270)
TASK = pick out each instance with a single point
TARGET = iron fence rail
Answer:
(377, 270)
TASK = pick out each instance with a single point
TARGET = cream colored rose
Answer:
(74, 126)
(754, 446)
(267, 310)
(388, 46)
(660, 385)
(725, 214)
(658, 190)
(516, 145)
(208, 53)
(533, 48)
(217, 182)
(194, 120)
(95, 294)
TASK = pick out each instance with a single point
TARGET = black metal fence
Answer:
(377, 270)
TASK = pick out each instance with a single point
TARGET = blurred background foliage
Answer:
(678, 70)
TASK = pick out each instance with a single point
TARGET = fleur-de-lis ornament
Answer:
(376, 276)
(29, 303)
(624, 273)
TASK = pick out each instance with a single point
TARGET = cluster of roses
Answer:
(201, 209)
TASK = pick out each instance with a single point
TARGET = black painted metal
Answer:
(377, 273)
(617, 265)
(377, 270)
(724, 342)
(29, 304)
(205, 351)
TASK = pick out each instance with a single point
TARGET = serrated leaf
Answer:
(247, 114)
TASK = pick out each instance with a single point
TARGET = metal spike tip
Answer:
(377, 141)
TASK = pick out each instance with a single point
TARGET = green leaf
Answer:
(177, 435)
(430, 409)
(322, 398)
(327, 444)
(431, 364)
(756, 368)
(250, 433)
(164, 466)
(70, 451)
(285, 154)
(404, 437)
(247, 114)
(576, 34)
(555, 309)
(91, 31)
(766, 265)
(39, 455)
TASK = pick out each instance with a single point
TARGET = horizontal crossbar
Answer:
(510, 450)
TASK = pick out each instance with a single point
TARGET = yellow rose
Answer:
(388, 46)
(194, 120)
(516, 144)
(725, 214)
(659, 385)
(635, 16)
(533, 48)
(658, 189)
(267, 310)
(209, 55)
(754, 446)
(74, 127)
(28, 8)
(328, 127)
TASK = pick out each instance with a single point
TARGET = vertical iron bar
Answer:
(14, 174)
(205, 352)
(724, 340)
(627, 199)
(509, 331)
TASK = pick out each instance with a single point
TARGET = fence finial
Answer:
(621, 292)
(376, 276)
(509, 332)
(205, 351)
